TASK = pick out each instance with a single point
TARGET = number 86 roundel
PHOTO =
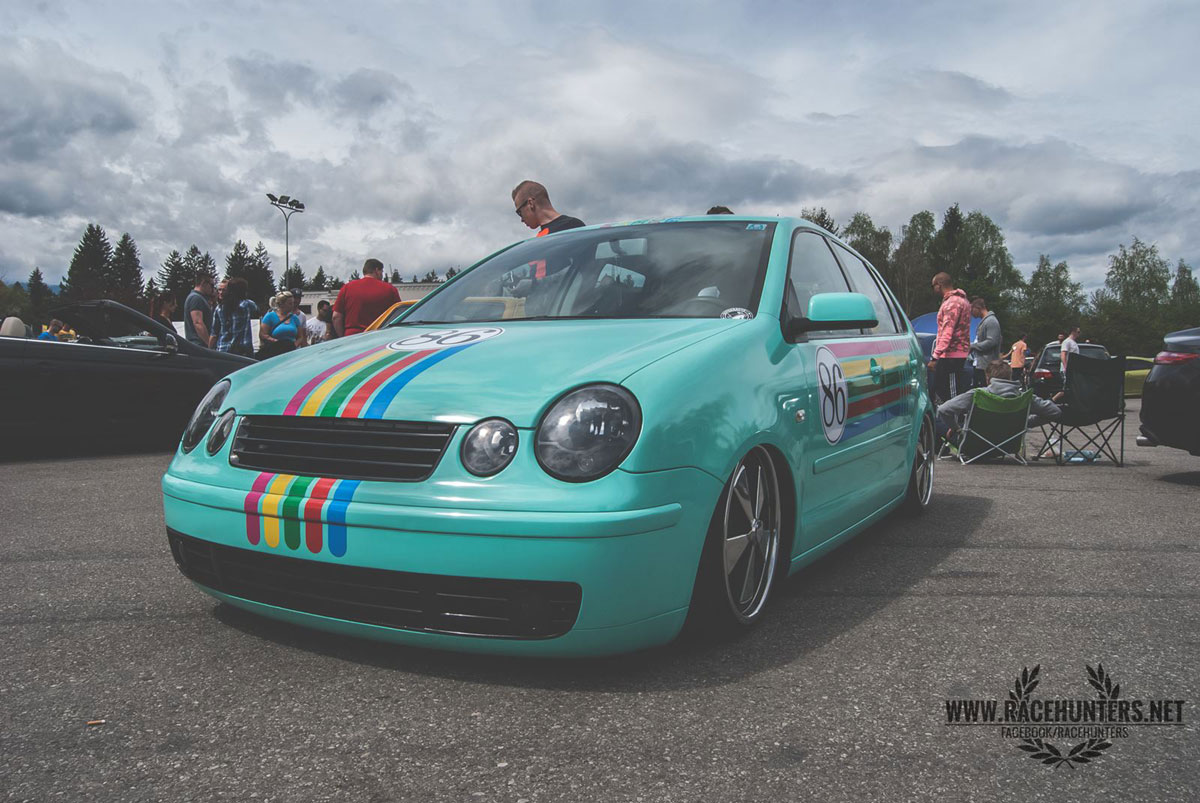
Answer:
(831, 398)
(445, 338)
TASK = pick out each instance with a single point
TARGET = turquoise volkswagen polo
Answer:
(578, 446)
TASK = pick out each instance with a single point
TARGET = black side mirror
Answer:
(170, 344)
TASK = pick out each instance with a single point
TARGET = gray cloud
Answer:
(670, 177)
(364, 91)
(51, 98)
(405, 129)
(1048, 187)
(272, 85)
(945, 87)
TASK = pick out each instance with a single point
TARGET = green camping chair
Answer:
(1093, 413)
(995, 427)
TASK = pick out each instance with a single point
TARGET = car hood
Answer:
(461, 373)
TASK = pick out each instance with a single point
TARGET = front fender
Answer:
(703, 407)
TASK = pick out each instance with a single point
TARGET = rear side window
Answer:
(863, 282)
(812, 270)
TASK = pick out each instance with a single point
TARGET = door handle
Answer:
(876, 371)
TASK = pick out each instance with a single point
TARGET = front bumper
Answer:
(634, 568)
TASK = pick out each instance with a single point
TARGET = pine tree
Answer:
(336, 284)
(451, 273)
(238, 262)
(38, 292)
(173, 278)
(430, 277)
(197, 264)
(124, 279)
(355, 275)
(319, 281)
(396, 276)
(292, 277)
(86, 278)
(259, 278)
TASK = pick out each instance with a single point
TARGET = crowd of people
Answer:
(961, 364)
(222, 317)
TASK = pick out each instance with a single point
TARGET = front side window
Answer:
(812, 270)
(663, 270)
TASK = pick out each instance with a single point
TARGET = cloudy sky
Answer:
(404, 125)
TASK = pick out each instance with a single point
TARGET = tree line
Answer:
(1142, 297)
(1141, 300)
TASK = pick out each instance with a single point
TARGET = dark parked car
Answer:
(1171, 396)
(1046, 379)
(125, 378)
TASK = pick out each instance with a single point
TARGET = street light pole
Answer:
(288, 206)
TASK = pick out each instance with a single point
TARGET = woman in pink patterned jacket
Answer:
(953, 342)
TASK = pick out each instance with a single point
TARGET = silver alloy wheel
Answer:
(923, 463)
(751, 534)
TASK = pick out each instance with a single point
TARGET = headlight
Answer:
(205, 413)
(220, 432)
(489, 447)
(588, 432)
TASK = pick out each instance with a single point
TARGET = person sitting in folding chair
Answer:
(991, 421)
(1093, 399)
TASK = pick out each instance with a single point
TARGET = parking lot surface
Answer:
(839, 696)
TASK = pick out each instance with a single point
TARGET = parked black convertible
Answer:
(126, 379)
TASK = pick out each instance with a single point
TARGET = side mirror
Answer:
(170, 344)
(835, 311)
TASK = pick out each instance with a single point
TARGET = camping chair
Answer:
(1093, 412)
(995, 427)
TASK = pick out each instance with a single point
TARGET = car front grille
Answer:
(516, 609)
(340, 448)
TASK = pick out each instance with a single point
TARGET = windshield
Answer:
(706, 269)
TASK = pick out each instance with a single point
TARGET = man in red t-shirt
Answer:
(363, 300)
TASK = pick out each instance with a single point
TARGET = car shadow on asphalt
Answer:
(818, 604)
(1190, 478)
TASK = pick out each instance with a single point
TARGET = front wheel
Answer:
(920, 481)
(740, 562)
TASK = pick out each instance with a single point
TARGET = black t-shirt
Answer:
(561, 223)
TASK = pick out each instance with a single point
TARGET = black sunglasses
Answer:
(521, 206)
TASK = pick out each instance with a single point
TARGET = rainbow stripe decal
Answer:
(874, 399)
(362, 386)
(282, 508)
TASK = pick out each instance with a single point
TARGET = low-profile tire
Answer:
(739, 566)
(920, 479)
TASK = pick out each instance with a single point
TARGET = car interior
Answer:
(106, 326)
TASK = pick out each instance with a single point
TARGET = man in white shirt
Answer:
(1070, 345)
(320, 325)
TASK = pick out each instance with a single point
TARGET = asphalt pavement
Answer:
(839, 696)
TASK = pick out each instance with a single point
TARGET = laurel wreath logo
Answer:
(1047, 752)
